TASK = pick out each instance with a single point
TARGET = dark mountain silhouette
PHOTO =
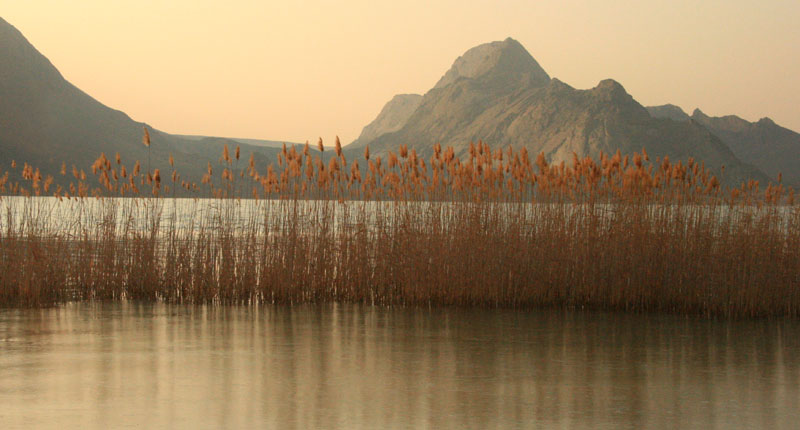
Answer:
(499, 94)
(45, 120)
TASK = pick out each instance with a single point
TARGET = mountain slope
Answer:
(509, 100)
(668, 111)
(476, 80)
(45, 120)
(392, 117)
(770, 147)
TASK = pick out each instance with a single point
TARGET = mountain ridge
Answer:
(392, 117)
(495, 92)
(770, 147)
(523, 109)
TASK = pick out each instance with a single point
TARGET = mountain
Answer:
(45, 120)
(495, 92)
(391, 118)
(668, 111)
(505, 63)
(770, 147)
(498, 93)
(474, 83)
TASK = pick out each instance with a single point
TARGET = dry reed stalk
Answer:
(493, 229)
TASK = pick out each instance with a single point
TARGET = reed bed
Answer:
(492, 228)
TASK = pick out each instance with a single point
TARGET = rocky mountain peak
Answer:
(609, 86)
(668, 111)
(505, 60)
(611, 90)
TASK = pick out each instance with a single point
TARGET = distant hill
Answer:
(45, 120)
(770, 147)
(498, 93)
(237, 140)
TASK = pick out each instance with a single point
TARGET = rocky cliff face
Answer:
(499, 94)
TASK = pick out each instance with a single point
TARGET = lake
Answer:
(187, 217)
(98, 366)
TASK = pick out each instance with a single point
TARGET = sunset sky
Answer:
(297, 70)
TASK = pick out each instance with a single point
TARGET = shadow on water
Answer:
(334, 366)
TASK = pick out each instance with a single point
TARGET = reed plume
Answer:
(491, 228)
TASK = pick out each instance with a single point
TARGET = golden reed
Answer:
(491, 228)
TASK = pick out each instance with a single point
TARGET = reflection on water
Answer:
(145, 366)
(190, 216)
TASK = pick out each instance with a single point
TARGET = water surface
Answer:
(98, 366)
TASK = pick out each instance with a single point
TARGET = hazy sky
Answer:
(296, 70)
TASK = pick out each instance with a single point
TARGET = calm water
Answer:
(144, 366)
(188, 216)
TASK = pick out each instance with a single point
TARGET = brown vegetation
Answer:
(494, 229)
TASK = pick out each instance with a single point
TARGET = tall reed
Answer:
(491, 229)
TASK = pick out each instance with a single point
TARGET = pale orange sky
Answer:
(298, 70)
